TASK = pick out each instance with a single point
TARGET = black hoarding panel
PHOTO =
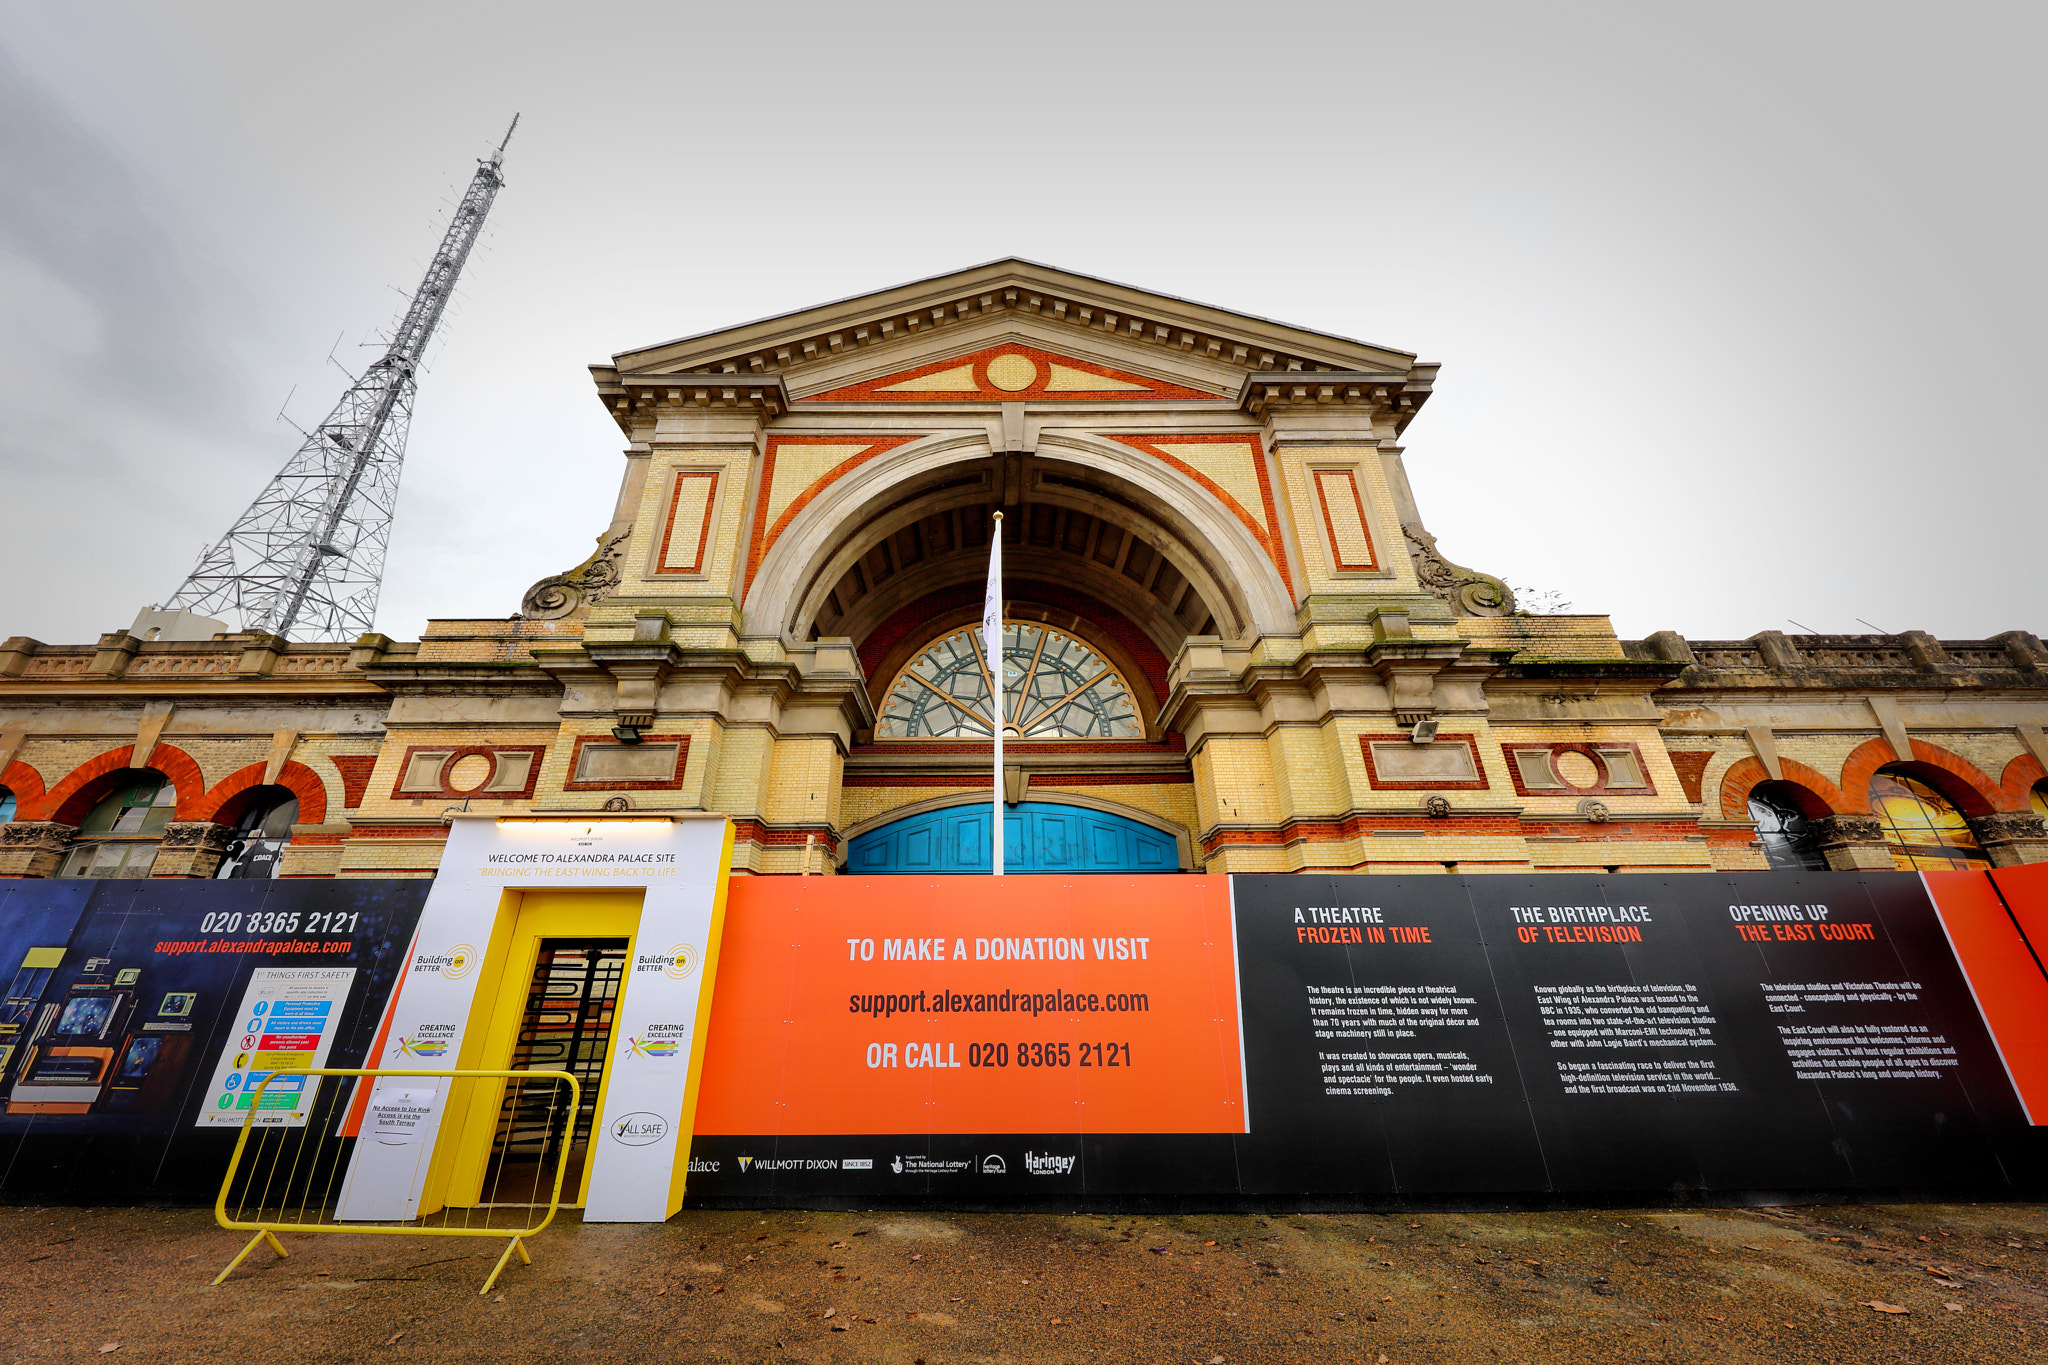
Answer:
(1378, 1058)
(1720, 1033)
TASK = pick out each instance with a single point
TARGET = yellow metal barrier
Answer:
(299, 1178)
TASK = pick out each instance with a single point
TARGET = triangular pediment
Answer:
(904, 332)
(1011, 371)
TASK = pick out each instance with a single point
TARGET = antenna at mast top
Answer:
(498, 157)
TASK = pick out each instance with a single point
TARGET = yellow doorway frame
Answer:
(462, 1157)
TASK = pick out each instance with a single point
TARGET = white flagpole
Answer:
(992, 651)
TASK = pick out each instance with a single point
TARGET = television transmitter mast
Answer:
(306, 560)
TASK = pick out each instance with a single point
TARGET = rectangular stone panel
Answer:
(1344, 519)
(1405, 761)
(627, 763)
(686, 535)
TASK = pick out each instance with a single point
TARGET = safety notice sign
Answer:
(286, 1023)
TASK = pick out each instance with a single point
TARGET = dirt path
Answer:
(1702, 1285)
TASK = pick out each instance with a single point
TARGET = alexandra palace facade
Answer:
(1232, 644)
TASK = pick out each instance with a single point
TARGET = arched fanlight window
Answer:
(257, 849)
(1055, 686)
(1790, 842)
(119, 838)
(1923, 832)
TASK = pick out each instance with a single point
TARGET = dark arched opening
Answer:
(1787, 819)
(120, 834)
(1923, 830)
(262, 818)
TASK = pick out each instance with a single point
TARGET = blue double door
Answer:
(1038, 836)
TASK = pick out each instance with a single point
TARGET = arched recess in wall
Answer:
(1814, 796)
(1109, 519)
(1786, 816)
(1957, 779)
(1923, 829)
(1073, 834)
(887, 648)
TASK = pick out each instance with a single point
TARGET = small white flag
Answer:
(992, 651)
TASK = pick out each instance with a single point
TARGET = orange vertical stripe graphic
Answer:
(2010, 990)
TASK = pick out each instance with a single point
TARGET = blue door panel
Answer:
(1038, 836)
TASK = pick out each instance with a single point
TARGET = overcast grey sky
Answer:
(1738, 305)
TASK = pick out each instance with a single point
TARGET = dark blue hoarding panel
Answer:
(119, 1003)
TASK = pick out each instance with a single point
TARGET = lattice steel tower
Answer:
(306, 560)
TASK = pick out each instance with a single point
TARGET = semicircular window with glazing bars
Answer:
(1055, 686)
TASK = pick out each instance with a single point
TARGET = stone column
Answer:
(34, 848)
(2011, 838)
(192, 848)
(1853, 842)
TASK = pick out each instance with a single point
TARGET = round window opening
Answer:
(1055, 686)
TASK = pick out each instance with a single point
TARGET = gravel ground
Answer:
(1958, 1283)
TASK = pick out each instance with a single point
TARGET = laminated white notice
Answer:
(397, 1117)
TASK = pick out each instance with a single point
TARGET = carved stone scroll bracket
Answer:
(1850, 842)
(577, 591)
(2010, 838)
(192, 848)
(33, 848)
(1469, 592)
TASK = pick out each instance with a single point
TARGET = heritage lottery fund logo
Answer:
(457, 962)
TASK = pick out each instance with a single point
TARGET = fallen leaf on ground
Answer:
(393, 1338)
(110, 1346)
(746, 1258)
(1953, 1307)
(1715, 1317)
(918, 1257)
(831, 1312)
(1926, 1239)
(1747, 1247)
(1210, 1244)
(1883, 1307)
(659, 1292)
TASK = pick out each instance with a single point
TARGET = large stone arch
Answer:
(1954, 776)
(1747, 775)
(72, 799)
(1207, 548)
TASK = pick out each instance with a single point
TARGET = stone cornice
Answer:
(887, 319)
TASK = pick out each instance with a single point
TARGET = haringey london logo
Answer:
(1045, 1163)
(639, 1130)
(457, 962)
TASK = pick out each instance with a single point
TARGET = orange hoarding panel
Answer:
(2010, 990)
(2025, 892)
(972, 1004)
